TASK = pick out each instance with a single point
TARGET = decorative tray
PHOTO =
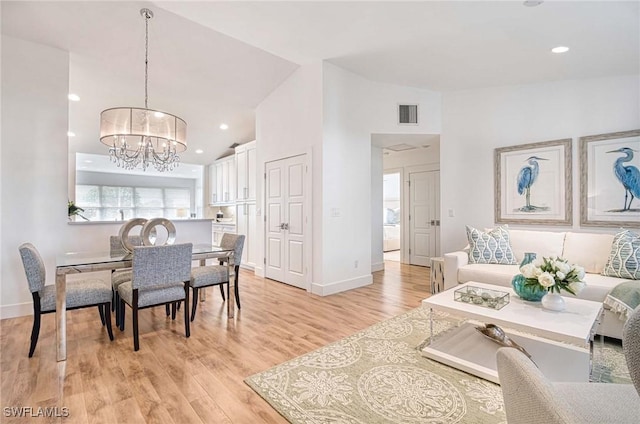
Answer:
(492, 299)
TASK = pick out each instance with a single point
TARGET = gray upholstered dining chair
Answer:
(631, 347)
(120, 276)
(529, 398)
(80, 293)
(160, 276)
(218, 275)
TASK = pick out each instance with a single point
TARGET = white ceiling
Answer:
(213, 62)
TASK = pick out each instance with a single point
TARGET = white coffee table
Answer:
(560, 343)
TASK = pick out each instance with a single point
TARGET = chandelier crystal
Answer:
(138, 136)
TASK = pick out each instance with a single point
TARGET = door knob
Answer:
(284, 226)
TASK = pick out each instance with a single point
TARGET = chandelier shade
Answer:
(142, 136)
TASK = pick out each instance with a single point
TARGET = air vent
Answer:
(408, 114)
(400, 147)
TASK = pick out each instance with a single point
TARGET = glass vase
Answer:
(530, 293)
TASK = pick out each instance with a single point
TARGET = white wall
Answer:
(34, 159)
(353, 109)
(332, 113)
(289, 123)
(35, 171)
(475, 122)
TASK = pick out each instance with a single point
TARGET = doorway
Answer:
(392, 215)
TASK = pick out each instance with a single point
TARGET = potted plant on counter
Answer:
(74, 210)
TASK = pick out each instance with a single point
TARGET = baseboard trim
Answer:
(259, 271)
(377, 267)
(340, 286)
(16, 310)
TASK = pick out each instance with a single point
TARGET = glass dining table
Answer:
(78, 262)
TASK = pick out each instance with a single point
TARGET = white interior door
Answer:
(285, 221)
(423, 216)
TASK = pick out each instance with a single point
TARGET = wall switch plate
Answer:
(452, 213)
(335, 212)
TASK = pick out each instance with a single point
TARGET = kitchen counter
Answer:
(122, 222)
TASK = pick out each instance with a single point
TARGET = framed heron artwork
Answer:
(610, 180)
(533, 183)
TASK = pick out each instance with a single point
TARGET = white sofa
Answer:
(585, 249)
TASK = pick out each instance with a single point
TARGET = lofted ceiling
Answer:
(213, 62)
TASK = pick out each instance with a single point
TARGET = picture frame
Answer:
(533, 183)
(607, 173)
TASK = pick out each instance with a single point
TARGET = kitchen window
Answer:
(113, 203)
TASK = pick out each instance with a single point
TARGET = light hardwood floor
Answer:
(178, 380)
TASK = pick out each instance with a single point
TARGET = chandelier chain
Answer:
(146, 59)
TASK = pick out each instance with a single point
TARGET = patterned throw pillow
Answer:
(624, 259)
(490, 247)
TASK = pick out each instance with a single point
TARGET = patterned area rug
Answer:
(378, 376)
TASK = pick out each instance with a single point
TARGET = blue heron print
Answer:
(629, 176)
(526, 178)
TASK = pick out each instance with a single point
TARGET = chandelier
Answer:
(138, 136)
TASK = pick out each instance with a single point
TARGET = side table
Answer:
(437, 275)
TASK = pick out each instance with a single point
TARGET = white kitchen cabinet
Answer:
(222, 181)
(246, 221)
(218, 229)
(246, 172)
(213, 194)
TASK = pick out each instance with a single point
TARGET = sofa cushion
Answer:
(598, 286)
(588, 250)
(624, 259)
(542, 243)
(491, 247)
(500, 275)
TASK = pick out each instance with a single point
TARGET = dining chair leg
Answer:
(187, 329)
(116, 306)
(236, 289)
(35, 331)
(114, 298)
(122, 309)
(195, 303)
(173, 310)
(101, 311)
(107, 317)
(134, 318)
(166, 307)
(136, 337)
(222, 292)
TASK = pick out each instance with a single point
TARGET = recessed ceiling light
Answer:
(73, 97)
(199, 151)
(71, 134)
(532, 3)
(224, 126)
(560, 49)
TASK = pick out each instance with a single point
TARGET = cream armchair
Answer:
(530, 398)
